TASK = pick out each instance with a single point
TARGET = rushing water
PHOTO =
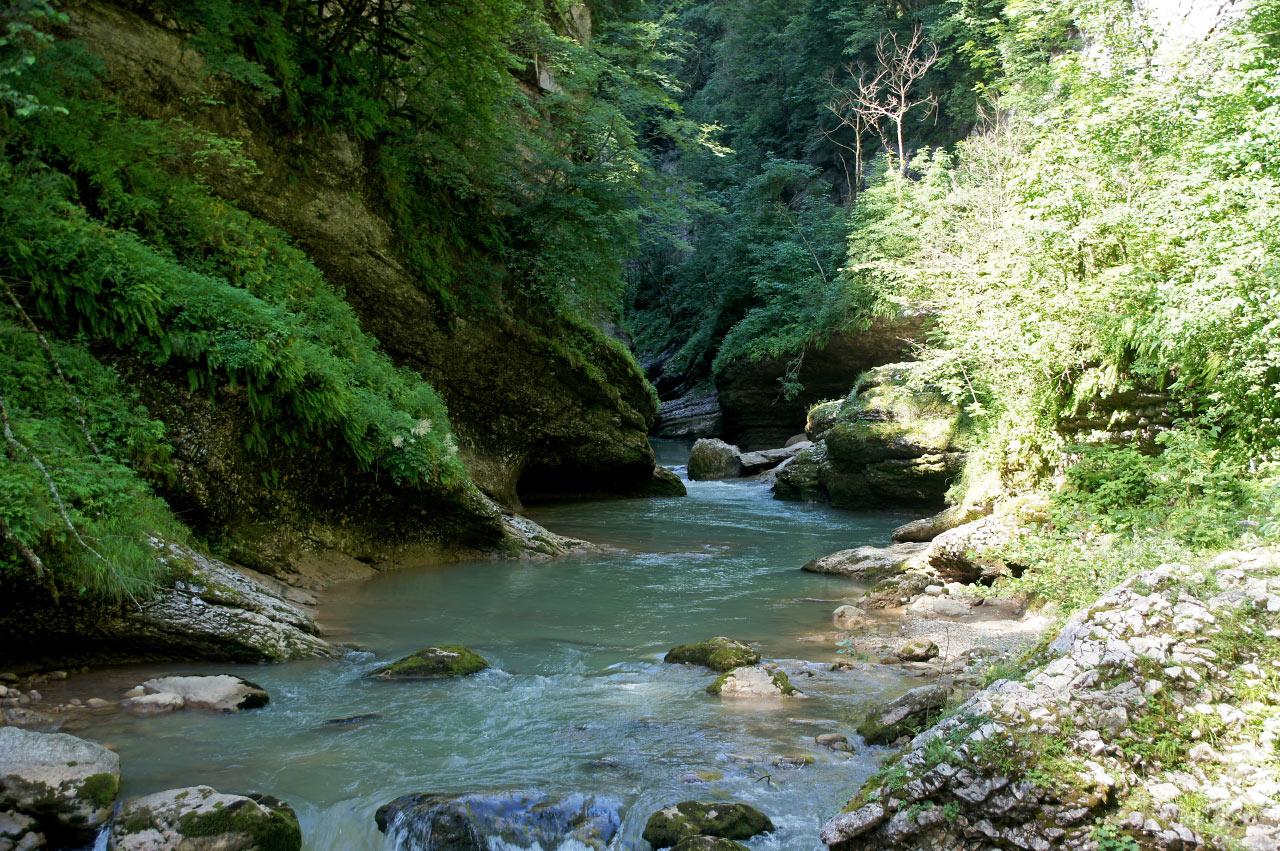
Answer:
(578, 698)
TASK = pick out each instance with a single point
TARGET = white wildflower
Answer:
(397, 441)
(451, 444)
(422, 427)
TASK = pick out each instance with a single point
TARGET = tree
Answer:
(882, 101)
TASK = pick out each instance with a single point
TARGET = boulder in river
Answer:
(66, 785)
(866, 564)
(848, 617)
(502, 819)
(753, 681)
(221, 692)
(447, 660)
(199, 818)
(712, 458)
(766, 459)
(672, 824)
(902, 715)
(918, 650)
(718, 654)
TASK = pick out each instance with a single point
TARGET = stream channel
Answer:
(578, 699)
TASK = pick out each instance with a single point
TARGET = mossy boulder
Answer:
(66, 785)
(670, 825)
(904, 715)
(709, 843)
(753, 681)
(718, 654)
(801, 479)
(199, 818)
(447, 660)
(712, 458)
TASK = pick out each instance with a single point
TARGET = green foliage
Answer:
(107, 498)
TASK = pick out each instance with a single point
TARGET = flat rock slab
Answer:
(65, 784)
(447, 660)
(753, 681)
(866, 564)
(220, 692)
(678, 822)
(500, 820)
(719, 654)
(757, 462)
(199, 818)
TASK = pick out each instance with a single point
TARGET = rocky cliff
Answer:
(538, 406)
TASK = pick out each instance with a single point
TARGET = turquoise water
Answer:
(578, 698)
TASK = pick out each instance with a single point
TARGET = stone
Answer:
(482, 822)
(753, 682)
(847, 826)
(754, 463)
(447, 660)
(719, 654)
(66, 785)
(20, 716)
(19, 832)
(709, 843)
(220, 692)
(848, 618)
(866, 564)
(696, 414)
(155, 704)
(670, 825)
(712, 458)
(199, 818)
(920, 531)
(934, 604)
(918, 650)
(834, 741)
(904, 714)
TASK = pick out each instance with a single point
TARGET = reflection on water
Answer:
(578, 698)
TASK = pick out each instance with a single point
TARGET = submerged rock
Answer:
(447, 660)
(902, 715)
(709, 843)
(503, 819)
(678, 822)
(718, 654)
(60, 785)
(848, 617)
(199, 818)
(712, 458)
(222, 693)
(753, 681)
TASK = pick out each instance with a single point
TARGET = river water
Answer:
(578, 699)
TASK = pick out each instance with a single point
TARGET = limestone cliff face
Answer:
(527, 409)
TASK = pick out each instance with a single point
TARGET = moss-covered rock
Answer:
(199, 818)
(500, 820)
(753, 681)
(718, 654)
(893, 440)
(65, 785)
(670, 825)
(447, 660)
(712, 458)
(904, 715)
(709, 843)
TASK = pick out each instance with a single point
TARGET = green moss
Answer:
(101, 789)
(269, 829)
(692, 818)
(718, 654)
(446, 660)
(784, 685)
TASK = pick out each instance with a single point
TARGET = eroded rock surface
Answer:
(199, 818)
(1045, 762)
(56, 786)
(220, 693)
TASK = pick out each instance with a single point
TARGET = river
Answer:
(578, 698)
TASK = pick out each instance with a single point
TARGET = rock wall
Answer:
(756, 416)
(531, 413)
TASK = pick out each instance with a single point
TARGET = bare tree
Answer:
(881, 101)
